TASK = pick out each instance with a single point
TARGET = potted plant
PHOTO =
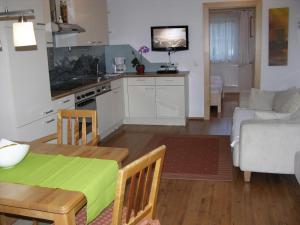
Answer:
(138, 63)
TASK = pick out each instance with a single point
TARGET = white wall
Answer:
(130, 22)
(281, 77)
(5, 90)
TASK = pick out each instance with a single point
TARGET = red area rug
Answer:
(195, 157)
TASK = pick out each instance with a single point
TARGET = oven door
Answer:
(87, 104)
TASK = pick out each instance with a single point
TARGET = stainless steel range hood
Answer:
(61, 28)
(66, 28)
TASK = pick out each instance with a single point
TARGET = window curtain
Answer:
(224, 37)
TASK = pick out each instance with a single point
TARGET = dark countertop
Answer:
(59, 94)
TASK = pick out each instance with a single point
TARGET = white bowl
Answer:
(12, 154)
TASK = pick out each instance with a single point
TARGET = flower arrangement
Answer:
(138, 62)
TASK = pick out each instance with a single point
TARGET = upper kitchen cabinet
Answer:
(91, 15)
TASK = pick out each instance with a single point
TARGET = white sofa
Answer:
(266, 138)
(297, 166)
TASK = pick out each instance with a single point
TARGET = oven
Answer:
(87, 99)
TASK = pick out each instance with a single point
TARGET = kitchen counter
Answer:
(63, 93)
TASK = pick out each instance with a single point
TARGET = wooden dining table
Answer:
(53, 204)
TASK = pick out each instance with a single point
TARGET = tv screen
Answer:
(169, 38)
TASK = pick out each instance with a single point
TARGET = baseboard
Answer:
(196, 118)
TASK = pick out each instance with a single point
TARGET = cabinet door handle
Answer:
(140, 79)
(43, 24)
(161, 88)
(49, 121)
(169, 80)
(149, 88)
(48, 112)
(66, 101)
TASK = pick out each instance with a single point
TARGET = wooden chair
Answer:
(76, 127)
(136, 193)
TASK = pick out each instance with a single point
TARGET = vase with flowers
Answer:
(138, 63)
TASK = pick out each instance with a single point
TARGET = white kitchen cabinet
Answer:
(110, 109)
(67, 102)
(141, 101)
(170, 102)
(30, 79)
(117, 103)
(90, 15)
(104, 113)
(38, 129)
(156, 100)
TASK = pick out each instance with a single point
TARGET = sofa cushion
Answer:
(281, 97)
(270, 115)
(261, 100)
(292, 105)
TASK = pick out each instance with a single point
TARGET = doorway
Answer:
(232, 6)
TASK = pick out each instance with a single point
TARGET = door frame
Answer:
(257, 4)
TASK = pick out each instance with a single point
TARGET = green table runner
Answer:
(95, 178)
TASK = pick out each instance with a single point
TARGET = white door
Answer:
(170, 102)
(141, 101)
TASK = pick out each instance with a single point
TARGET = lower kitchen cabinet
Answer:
(117, 107)
(156, 100)
(104, 113)
(110, 110)
(37, 129)
(170, 102)
(141, 101)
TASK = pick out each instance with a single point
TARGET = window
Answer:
(224, 37)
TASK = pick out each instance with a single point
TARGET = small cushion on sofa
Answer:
(271, 115)
(292, 105)
(261, 100)
(281, 97)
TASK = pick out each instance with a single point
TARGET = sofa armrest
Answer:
(297, 166)
(269, 145)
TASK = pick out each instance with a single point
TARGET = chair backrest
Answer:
(76, 126)
(137, 188)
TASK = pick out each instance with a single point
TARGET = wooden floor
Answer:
(270, 199)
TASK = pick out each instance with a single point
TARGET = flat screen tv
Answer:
(169, 38)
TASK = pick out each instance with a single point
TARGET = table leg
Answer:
(65, 219)
(247, 176)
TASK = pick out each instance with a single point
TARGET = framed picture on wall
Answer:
(278, 36)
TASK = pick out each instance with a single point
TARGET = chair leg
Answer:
(247, 176)
(35, 222)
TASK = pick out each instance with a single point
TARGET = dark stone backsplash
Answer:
(75, 62)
